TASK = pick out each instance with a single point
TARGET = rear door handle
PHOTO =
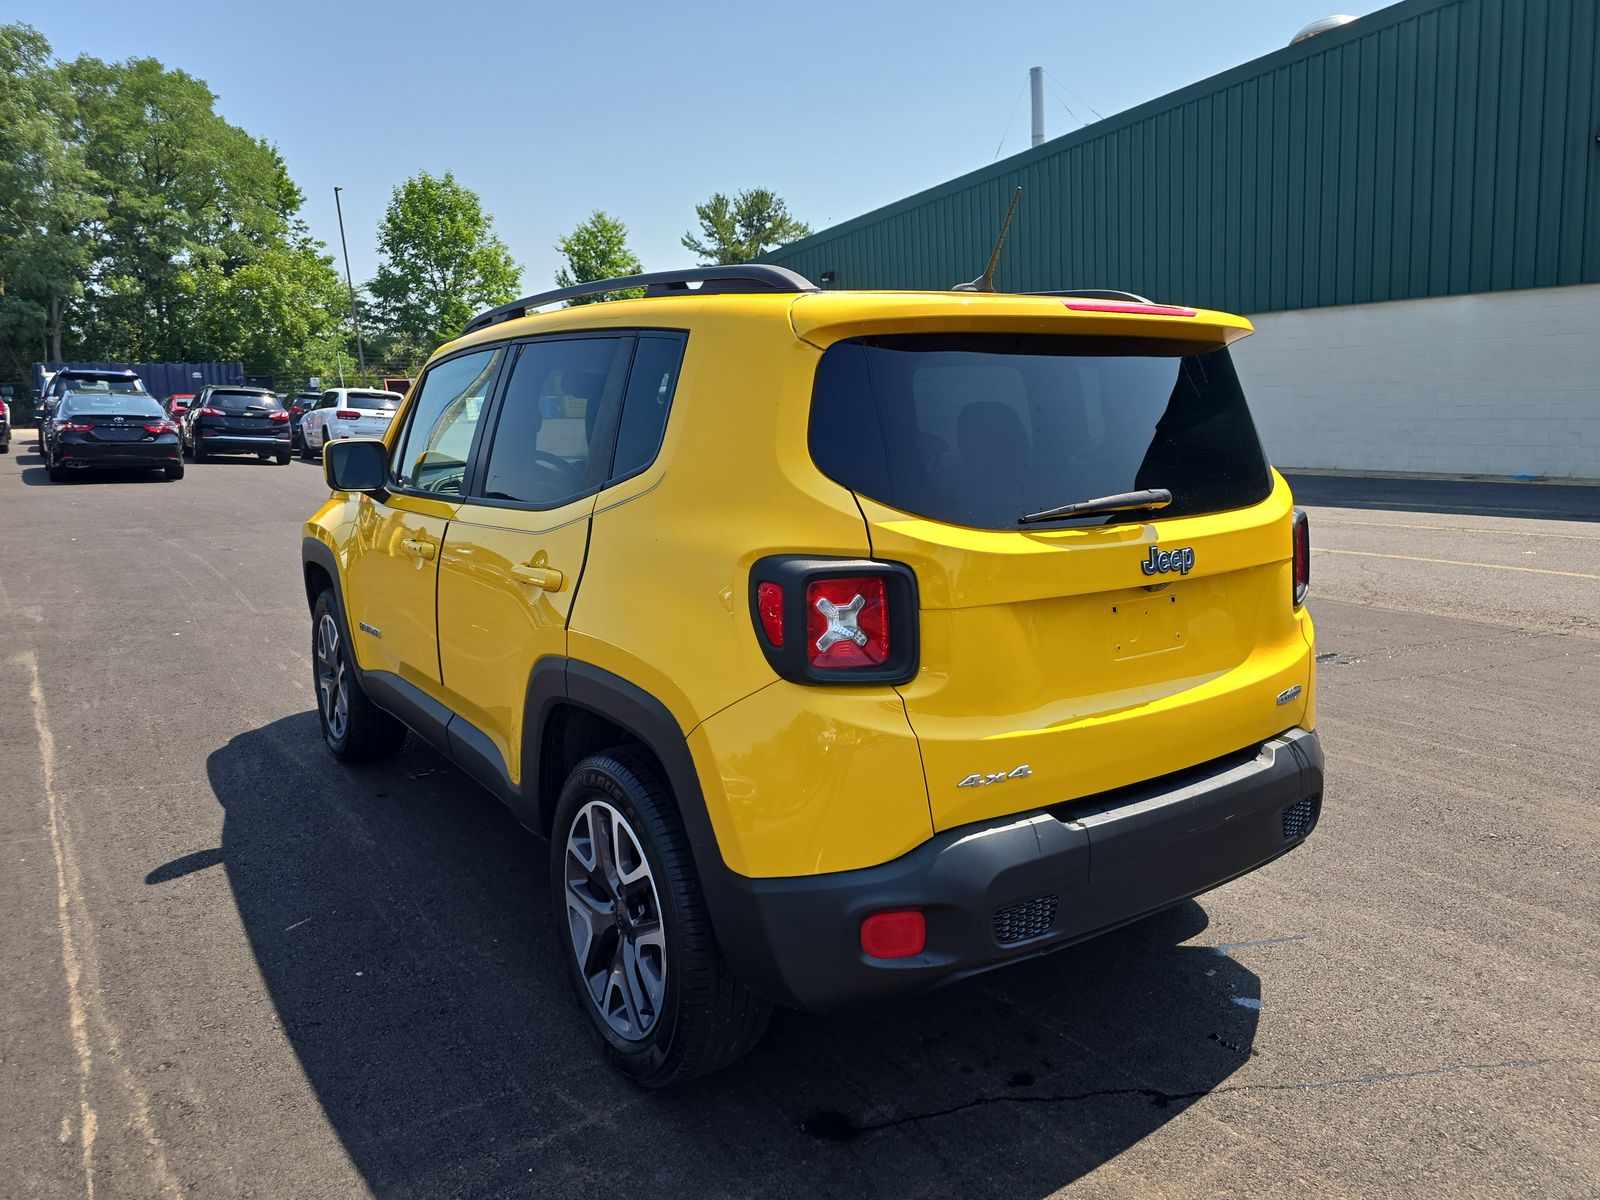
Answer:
(421, 547)
(547, 578)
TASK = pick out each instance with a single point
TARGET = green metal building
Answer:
(1435, 149)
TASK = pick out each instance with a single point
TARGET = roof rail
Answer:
(1096, 294)
(713, 281)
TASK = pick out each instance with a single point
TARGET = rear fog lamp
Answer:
(902, 933)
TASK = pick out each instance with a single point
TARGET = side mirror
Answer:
(356, 465)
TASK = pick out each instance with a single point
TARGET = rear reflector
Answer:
(1302, 557)
(769, 606)
(847, 622)
(348, 414)
(899, 934)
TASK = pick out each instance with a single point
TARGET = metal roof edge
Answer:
(1383, 18)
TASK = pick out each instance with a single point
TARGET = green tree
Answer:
(597, 249)
(740, 229)
(47, 200)
(442, 262)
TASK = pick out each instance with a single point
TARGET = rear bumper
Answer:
(120, 455)
(996, 892)
(244, 441)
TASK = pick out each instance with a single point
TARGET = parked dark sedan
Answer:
(302, 404)
(237, 420)
(119, 431)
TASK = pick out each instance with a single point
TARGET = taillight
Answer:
(74, 427)
(1302, 558)
(348, 414)
(899, 934)
(280, 415)
(163, 427)
(769, 607)
(847, 622)
(208, 411)
(836, 620)
(296, 410)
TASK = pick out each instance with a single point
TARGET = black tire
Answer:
(305, 448)
(369, 733)
(707, 1019)
(57, 474)
(283, 458)
(197, 451)
(174, 472)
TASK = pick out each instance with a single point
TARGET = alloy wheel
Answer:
(333, 684)
(614, 914)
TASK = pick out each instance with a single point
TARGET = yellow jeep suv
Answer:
(840, 644)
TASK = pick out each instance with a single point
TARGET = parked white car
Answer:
(346, 413)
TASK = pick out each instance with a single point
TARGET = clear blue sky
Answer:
(644, 109)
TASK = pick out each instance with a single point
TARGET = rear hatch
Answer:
(245, 414)
(374, 412)
(1063, 658)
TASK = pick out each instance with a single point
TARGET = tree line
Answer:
(137, 224)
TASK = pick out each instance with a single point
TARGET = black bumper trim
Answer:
(1110, 860)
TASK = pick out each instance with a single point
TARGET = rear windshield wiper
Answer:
(1121, 502)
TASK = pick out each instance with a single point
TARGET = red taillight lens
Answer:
(280, 415)
(74, 427)
(769, 607)
(847, 622)
(1302, 558)
(348, 414)
(296, 410)
(208, 411)
(899, 934)
(164, 427)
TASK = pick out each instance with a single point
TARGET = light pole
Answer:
(361, 354)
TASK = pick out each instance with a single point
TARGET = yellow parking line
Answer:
(1453, 562)
(1576, 537)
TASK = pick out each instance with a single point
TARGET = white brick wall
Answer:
(1504, 383)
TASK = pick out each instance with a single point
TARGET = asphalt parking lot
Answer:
(233, 967)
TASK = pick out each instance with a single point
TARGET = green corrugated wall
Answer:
(1434, 147)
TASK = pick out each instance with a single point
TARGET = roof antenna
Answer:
(985, 282)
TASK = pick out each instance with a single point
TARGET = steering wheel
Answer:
(556, 463)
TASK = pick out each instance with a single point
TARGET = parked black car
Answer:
(88, 380)
(302, 404)
(5, 426)
(237, 420)
(123, 431)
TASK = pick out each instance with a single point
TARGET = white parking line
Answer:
(1453, 562)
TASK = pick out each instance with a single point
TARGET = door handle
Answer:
(421, 547)
(547, 578)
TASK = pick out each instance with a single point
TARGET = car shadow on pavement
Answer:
(34, 474)
(401, 922)
(1450, 497)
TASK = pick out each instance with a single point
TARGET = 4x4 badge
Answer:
(1021, 772)
(1162, 561)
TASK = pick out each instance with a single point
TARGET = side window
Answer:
(551, 441)
(432, 452)
(644, 409)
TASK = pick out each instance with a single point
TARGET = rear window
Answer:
(979, 429)
(129, 405)
(373, 401)
(121, 386)
(241, 402)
